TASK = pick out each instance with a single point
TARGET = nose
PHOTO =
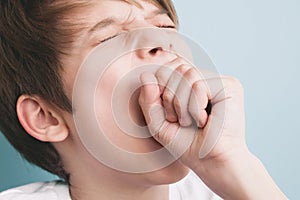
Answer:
(148, 53)
(150, 43)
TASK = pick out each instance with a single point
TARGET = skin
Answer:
(90, 179)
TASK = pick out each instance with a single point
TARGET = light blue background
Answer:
(259, 43)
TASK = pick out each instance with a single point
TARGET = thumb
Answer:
(152, 107)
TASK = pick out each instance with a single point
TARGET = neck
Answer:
(114, 186)
(126, 193)
(91, 180)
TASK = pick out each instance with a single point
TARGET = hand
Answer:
(178, 96)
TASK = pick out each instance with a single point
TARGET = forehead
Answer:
(79, 16)
(104, 6)
(84, 13)
(137, 2)
(83, 4)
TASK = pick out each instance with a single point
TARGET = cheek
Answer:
(107, 104)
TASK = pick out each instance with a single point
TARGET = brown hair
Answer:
(31, 42)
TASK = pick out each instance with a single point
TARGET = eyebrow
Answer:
(103, 23)
(111, 20)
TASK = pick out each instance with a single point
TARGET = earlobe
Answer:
(40, 119)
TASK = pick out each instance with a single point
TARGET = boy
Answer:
(38, 72)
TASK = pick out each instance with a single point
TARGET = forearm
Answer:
(241, 177)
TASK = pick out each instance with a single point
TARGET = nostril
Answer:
(154, 51)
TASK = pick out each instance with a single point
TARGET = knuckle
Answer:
(168, 97)
(161, 76)
(180, 61)
(233, 83)
(229, 79)
(190, 73)
(237, 82)
(182, 68)
(197, 85)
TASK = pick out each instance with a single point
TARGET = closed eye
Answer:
(167, 26)
(106, 39)
(160, 26)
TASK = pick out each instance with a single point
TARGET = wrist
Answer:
(238, 175)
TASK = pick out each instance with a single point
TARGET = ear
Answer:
(41, 120)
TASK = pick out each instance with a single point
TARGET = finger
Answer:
(226, 98)
(151, 104)
(175, 138)
(163, 74)
(169, 92)
(198, 103)
(182, 96)
(206, 90)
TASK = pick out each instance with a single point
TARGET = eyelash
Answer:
(167, 26)
(160, 26)
(106, 39)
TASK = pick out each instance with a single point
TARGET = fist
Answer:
(181, 101)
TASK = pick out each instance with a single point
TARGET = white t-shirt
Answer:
(189, 188)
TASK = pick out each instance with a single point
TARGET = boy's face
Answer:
(104, 19)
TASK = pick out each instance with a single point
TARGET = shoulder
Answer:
(55, 190)
(191, 187)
